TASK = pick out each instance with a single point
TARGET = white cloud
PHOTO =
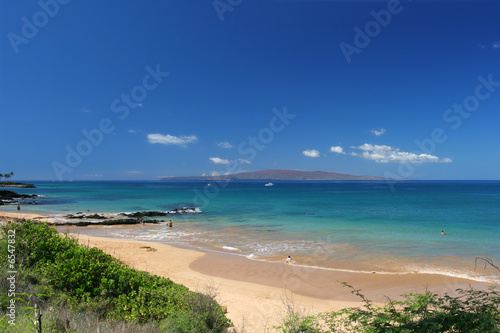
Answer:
(171, 140)
(218, 160)
(132, 131)
(215, 174)
(337, 149)
(133, 172)
(378, 132)
(85, 110)
(385, 154)
(225, 145)
(311, 153)
(494, 45)
(203, 174)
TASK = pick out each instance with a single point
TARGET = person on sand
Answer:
(18, 207)
(170, 224)
(288, 260)
(442, 232)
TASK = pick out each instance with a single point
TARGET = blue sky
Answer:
(142, 89)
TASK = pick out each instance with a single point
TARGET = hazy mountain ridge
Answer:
(281, 175)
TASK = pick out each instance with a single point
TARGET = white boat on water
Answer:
(269, 184)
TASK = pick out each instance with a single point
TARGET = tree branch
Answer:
(487, 261)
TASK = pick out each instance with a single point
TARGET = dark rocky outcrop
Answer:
(11, 197)
(154, 213)
(83, 220)
(83, 216)
(108, 222)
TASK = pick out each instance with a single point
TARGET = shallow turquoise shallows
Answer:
(358, 226)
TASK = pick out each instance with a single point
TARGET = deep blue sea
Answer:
(356, 226)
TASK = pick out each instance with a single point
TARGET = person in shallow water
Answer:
(170, 224)
(442, 232)
(288, 260)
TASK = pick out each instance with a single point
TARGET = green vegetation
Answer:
(80, 289)
(472, 311)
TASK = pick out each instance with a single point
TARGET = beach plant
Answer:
(54, 271)
(471, 311)
(487, 262)
(297, 320)
(300, 324)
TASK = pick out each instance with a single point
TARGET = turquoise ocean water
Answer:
(356, 226)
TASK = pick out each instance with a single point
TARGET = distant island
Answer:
(269, 175)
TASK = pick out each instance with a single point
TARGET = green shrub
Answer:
(471, 311)
(54, 270)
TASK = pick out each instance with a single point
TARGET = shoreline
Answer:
(58, 220)
(215, 260)
(256, 292)
(251, 306)
(171, 236)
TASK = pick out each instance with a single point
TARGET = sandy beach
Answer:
(252, 306)
(27, 215)
(256, 293)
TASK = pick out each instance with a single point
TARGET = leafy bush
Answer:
(55, 269)
(471, 311)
